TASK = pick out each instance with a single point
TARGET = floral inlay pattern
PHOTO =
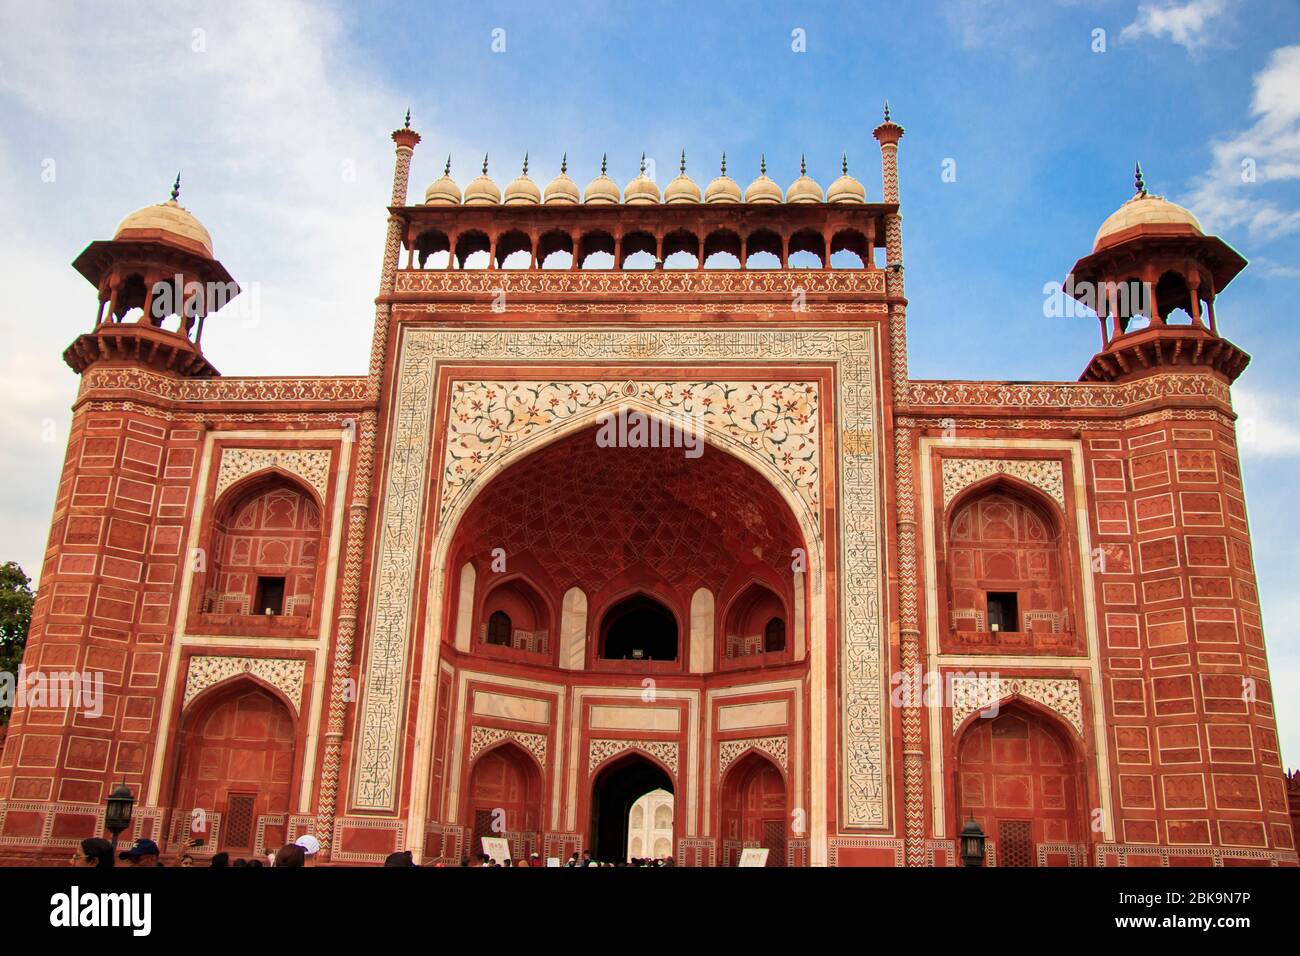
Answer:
(778, 419)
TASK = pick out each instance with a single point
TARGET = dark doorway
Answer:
(621, 784)
(639, 628)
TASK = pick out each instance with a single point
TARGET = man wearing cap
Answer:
(142, 853)
(310, 846)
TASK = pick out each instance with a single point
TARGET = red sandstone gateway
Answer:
(426, 606)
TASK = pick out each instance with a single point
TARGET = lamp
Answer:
(972, 844)
(117, 811)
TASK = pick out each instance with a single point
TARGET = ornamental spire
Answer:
(446, 170)
(643, 164)
(485, 156)
(886, 111)
(564, 162)
(176, 187)
(407, 124)
(724, 164)
(525, 164)
(1137, 179)
(844, 164)
(603, 158)
(681, 166)
(803, 165)
(762, 164)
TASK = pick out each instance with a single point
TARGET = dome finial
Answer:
(407, 124)
(886, 111)
(446, 170)
(564, 162)
(844, 164)
(643, 164)
(604, 157)
(176, 187)
(485, 157)
(762, 164)
(803, 165)
(1137, 179)
(681, 166)
(724, 163)
(525, 164)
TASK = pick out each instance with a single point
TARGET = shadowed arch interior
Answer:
(617, 786)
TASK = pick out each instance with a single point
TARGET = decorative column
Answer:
(405, 138)
(888, 134)
(358, 510)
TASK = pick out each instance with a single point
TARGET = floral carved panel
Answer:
(311, 465)
(284, 674)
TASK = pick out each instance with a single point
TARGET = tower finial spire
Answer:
(724, 163)
(844, 163)
(176, 187)
(681, 166)
(604, 158)
(485, 156)
(446, 170)
(643, 164)
(803, 165)
(564, 162)
(1137, 179)
(762, 164)
(525, 164)
(407, 124)
(886, 111)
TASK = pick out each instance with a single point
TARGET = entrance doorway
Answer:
(616, 788)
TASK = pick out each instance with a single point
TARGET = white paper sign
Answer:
(754, 856)
(498, 848)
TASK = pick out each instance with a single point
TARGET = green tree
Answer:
(15, 619)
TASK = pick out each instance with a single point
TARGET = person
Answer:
(464, 861)
(310, 847)
(399, 858)
(291, 854)
(255, 862)
(587, 859)
(143, 852)
(573, 860)
(186, 860)
(220, 859)
(94, 852)
(240, 862)
(535, 860)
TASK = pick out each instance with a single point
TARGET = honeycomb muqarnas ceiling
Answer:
(586, 513)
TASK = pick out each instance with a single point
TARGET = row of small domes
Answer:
(642, 190)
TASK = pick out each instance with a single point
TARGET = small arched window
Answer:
(774, 636)
(499, 629)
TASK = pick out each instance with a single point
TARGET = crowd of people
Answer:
(98, 853)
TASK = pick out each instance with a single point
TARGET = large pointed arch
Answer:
(807, 521)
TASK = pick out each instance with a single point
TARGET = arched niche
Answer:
(756, 628)
(514, 616)
(755, 807)
(505, 795)
(264, 553)
(1021, 774)
(1008, 569)
(236, 757)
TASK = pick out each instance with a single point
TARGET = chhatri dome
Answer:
(168, 222)
(482, 191)
(683, 188)
(602, 190)
(523, 191)
(444, 191)
(846, 188)
(803, 189)
(562, 190)
(723, 188)
(1145, 209)
(641, 191)
(763, 189)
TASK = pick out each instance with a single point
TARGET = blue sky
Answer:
(279, 115)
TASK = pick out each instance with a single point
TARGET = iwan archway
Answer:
(638, 534)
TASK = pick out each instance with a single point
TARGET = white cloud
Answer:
(1268, 425)
(281, 129)
(1187, 24)
(1234, 191)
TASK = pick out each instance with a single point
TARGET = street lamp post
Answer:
(117, 811)
(972, 844)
